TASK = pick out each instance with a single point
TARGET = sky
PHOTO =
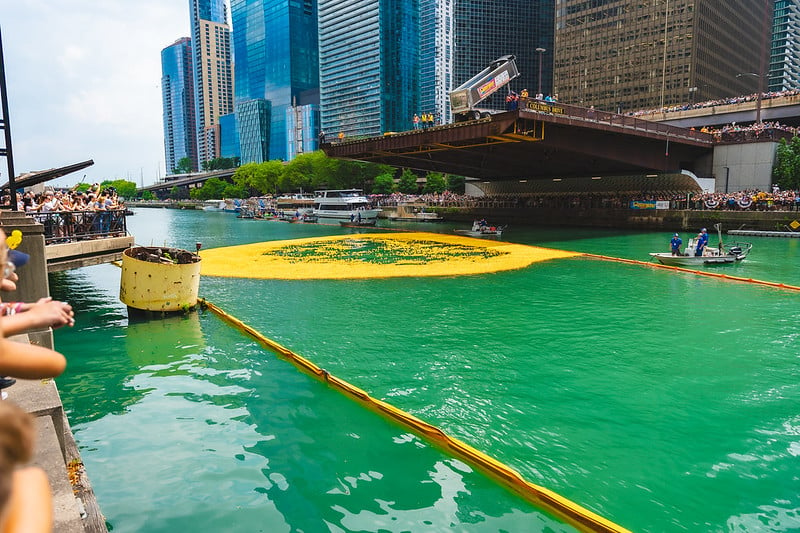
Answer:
(83, 79)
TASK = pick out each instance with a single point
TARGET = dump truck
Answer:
(465, 98)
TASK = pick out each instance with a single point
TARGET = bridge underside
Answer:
(526, 145)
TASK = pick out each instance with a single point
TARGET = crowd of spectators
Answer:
(72, 215)
(748, 200)
(717, 102)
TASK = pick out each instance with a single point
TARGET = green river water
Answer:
(659, 400)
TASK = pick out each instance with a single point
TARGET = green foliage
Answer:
(262, 178)
(456, 183)
(184, 166)
(235, 191)
(148, 195)
(383, 184)
(179, 193)
(408, 183)
(786, 172)
(212, 188)
(125, 188)
(434, 183)
(82, 187)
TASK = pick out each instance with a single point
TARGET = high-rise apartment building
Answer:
(368, 65)
(436, 57)
(177, 93)
(213, 85)
(276, 53)
(621, 55)
(486, 30)
(784, 64)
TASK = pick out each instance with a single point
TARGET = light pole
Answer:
(541, 52)
(758, 93)
(692, 91)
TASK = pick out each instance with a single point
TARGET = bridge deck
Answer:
(541, 140)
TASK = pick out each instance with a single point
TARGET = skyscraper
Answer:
(436, 57)
(276, 53)
(213, 85)
(486, 30)
(177, 93)
(620, 55)
(368, 65)
(784, 64)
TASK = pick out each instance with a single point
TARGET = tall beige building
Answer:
(624, 55)
(215, 84)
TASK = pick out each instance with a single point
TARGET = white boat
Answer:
(214, 205)
(345, 205)
(712, 255)
(414, 212)
(295, 207)
(481, 229)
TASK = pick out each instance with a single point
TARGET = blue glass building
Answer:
(229, 137)
(253, 121)
(177, 93)
(276, 51)
(369, 65)
(436, 57)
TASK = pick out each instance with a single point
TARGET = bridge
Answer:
(783, 109)
(185, 180)
(541, 140)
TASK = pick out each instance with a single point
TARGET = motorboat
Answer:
(294, 207)
(712, 255)
(481, 229)
(414, 212)
(343, 205)
(214, 205)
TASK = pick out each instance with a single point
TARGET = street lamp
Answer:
(758, 94)
(692, 91)
(540, 51)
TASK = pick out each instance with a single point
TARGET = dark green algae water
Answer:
(661, 401)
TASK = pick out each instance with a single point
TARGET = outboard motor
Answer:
(736, 250)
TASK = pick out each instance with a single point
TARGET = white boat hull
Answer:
(347, 216)
(691, 260)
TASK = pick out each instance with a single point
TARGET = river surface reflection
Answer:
(662, 401)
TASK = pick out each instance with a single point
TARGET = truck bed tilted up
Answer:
(464, 98)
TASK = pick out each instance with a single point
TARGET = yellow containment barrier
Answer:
(570, 512)
(718, 275)
(373, 255)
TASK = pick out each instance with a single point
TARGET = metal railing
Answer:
(71, 226)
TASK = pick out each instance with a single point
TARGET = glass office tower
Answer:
(177, 93)
(276, 51)
(620, 56)
(486, 30)
(784, 65)
(368, 65)
(436, 57)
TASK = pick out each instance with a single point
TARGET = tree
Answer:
(434, 183)
(124, 188)
(179, 193)
(383, 184)
(221, 163)
(212, 188)
(260, 177)
(786, 172)
(408, 183)
(148, 195)
(184, 166)
(455, 183)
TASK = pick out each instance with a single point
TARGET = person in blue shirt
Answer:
(702, 241)
(675, 243)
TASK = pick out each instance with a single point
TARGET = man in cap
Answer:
(702, 240)
(675, 243)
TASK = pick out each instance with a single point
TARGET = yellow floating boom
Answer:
(571, 512)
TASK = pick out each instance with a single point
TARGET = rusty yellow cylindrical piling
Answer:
(159, 279)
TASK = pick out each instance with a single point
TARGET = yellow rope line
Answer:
(697, 272)
(571, 512)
